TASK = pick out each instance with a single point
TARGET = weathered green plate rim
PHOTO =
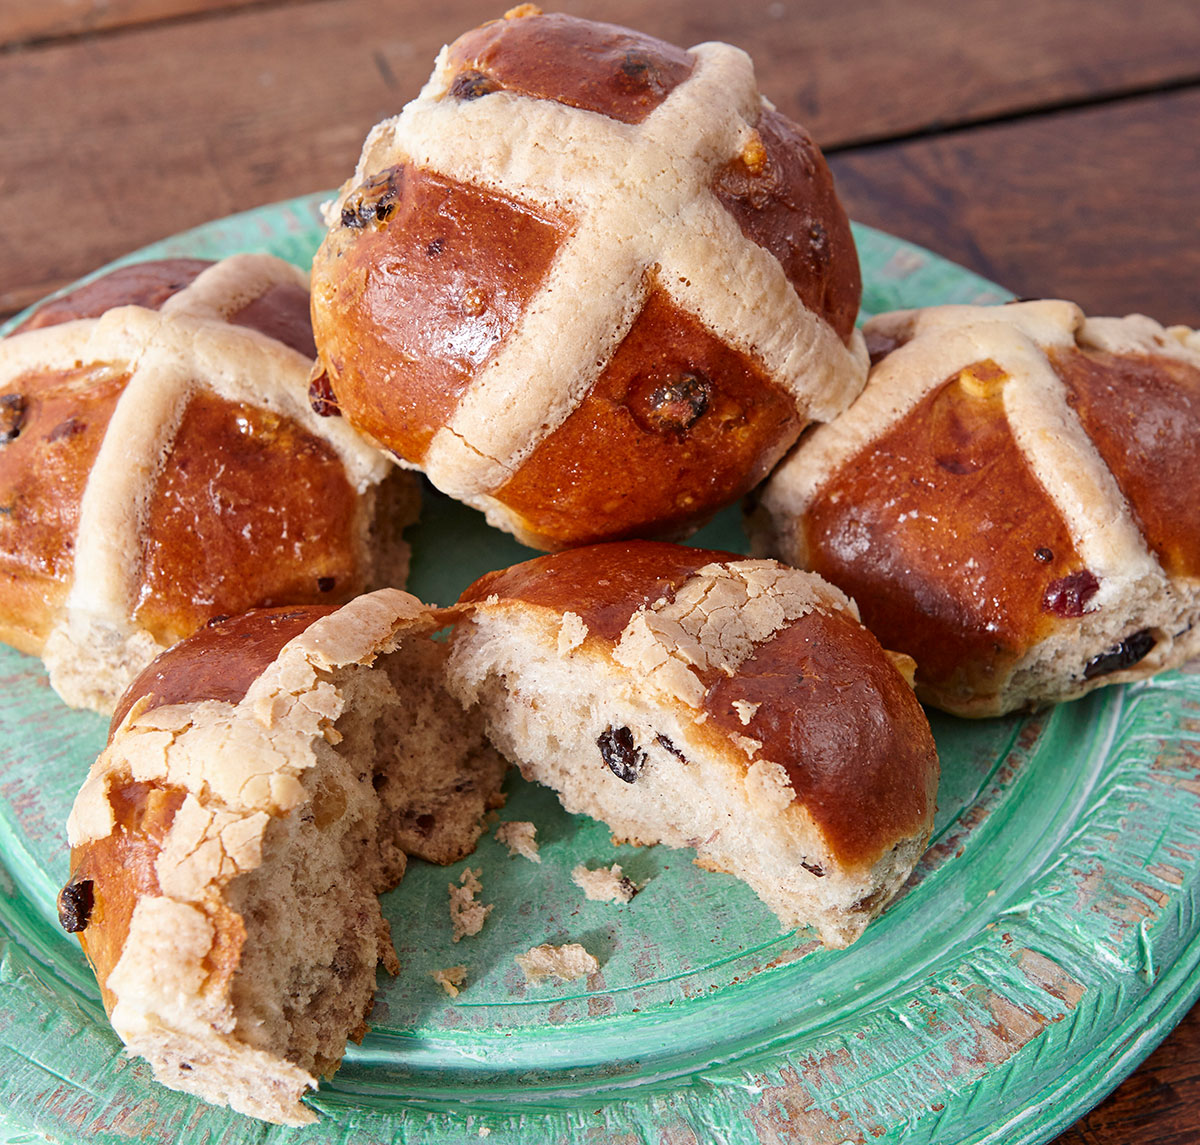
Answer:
(1012, 1013)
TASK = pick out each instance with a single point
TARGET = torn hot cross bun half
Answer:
(161, 464)
(699, 699)
(590, 283)
(263, 783)
(1012, 501)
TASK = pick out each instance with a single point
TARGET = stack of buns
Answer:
(603, 340)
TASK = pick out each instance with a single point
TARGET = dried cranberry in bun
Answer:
(590, 283)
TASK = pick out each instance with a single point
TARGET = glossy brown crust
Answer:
(1143, 415)
(407, 308)
(835, 713)
(214, 545)
(783, 198)
(933, 526)
(147, 284)
(220, 661)
(847, 729)
(596, 67)
(53, 425)
(678, 425)
(281, 313)
(602, 584)
(121, 867)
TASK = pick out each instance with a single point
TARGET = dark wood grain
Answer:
(22, 21)
(126, 138)
(1158, 1105)
(1097, 205)
(112, 142)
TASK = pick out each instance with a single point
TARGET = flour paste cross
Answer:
(186, 347)
(641, 199)
(1046, 429)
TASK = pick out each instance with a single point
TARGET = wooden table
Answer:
(1051, 145)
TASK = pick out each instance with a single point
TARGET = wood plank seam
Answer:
(212, 11)
(973, 123)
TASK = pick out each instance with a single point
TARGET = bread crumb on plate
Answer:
(604, 884)
(450, 979)
(467, 915)
(568, 963)
(519, 837)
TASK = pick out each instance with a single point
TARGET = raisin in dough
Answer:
(592, 284)
(262, 785)
(701, 700)
(1012, 501)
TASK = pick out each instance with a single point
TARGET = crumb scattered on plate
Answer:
(605, 884)
(519, 837)
(467, 915)
(450, 979)
(567, 962)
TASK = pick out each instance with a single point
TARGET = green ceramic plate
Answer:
(1048, 940)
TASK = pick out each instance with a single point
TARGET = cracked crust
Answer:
(733, 706)
(715, 621)
(1084, 425)
(234, 846)
(133, 474)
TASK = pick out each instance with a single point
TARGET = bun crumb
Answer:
(467, 915)
(568, 963)
(519, 837)
(450, 979)
(604, 884)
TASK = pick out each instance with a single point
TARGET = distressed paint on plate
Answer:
(1046, 943)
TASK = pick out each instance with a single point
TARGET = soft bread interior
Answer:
(246, 994)
(1075, 659)
(390, 508)
(438, 775)
(549, 711)
(314, 931)
(402, 769)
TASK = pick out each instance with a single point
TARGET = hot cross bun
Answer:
(1012, 501)
(160, 464)
(699, 699)
(263, 782)
(590, 283)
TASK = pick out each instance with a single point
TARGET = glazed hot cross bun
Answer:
(1012, 501)
(160, 464)
(699, 699)
(263, 782)
(590, 283)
